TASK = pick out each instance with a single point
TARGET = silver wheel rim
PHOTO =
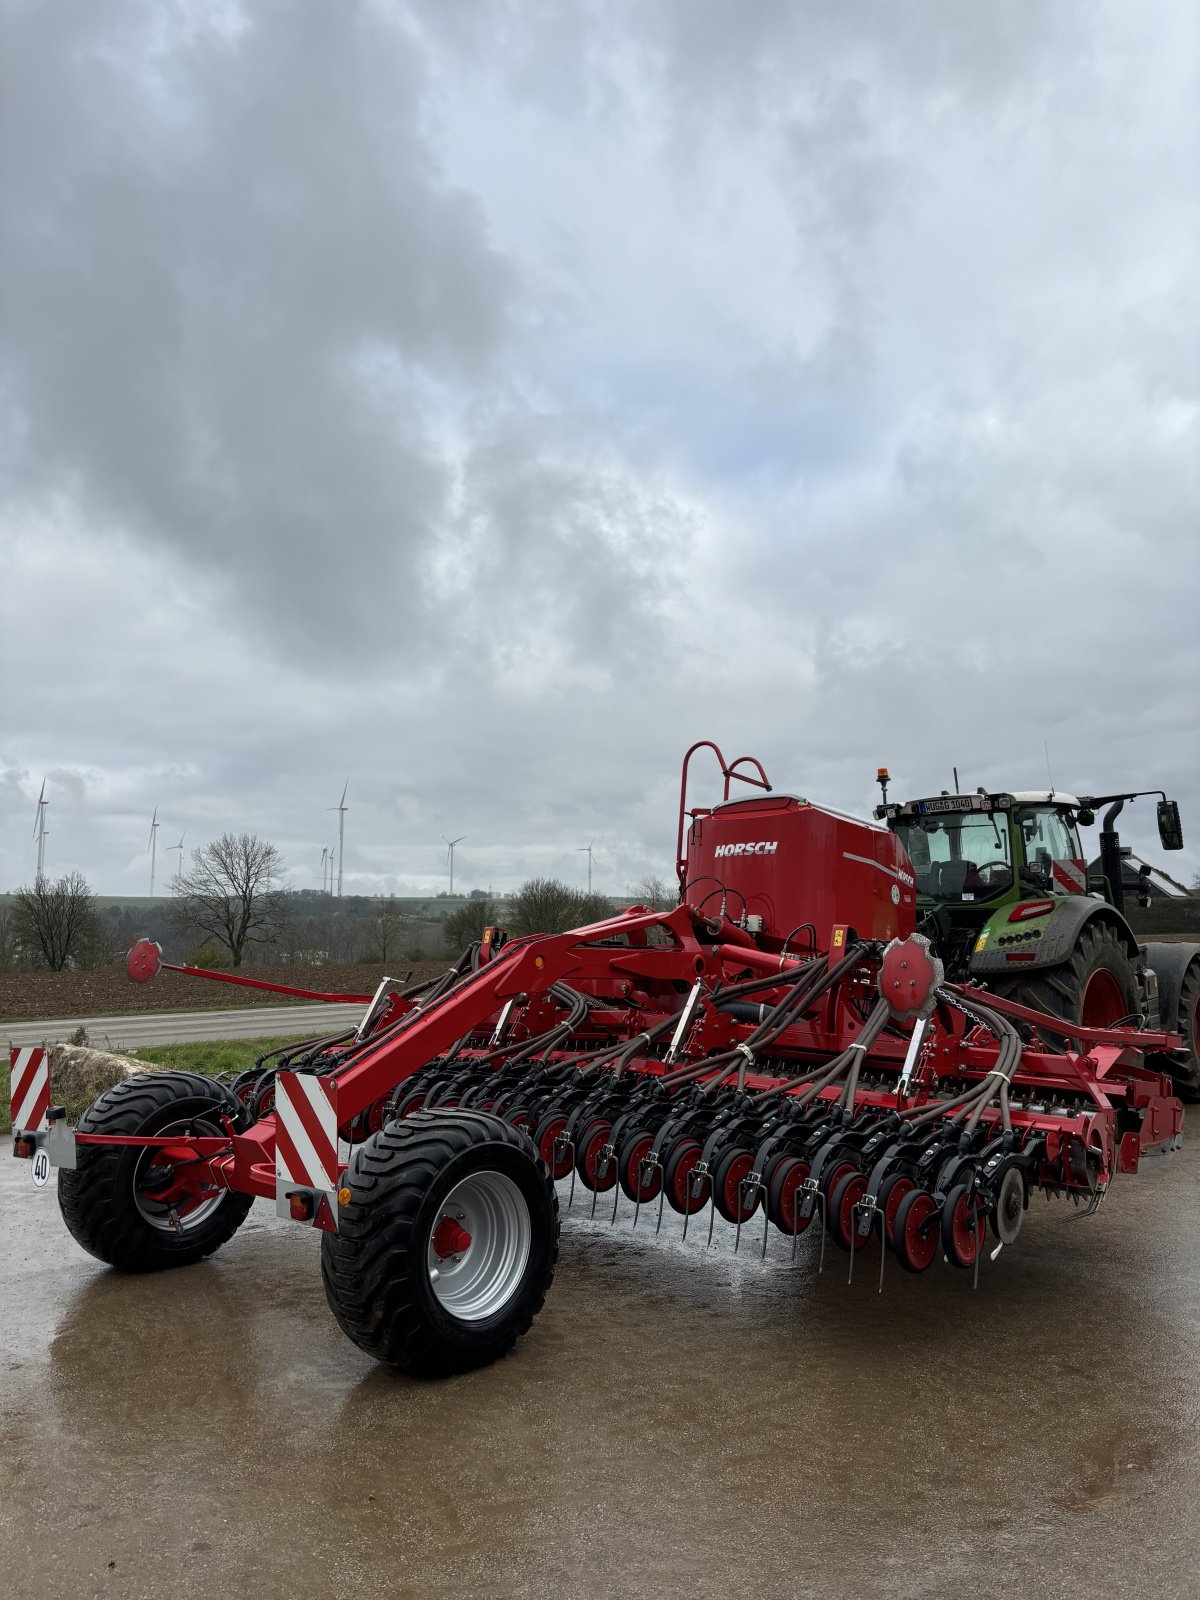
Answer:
(480, 1278)
(161, 1214)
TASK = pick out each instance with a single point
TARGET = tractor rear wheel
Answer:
(122, 1203)
(446, 1246)
(1097, 986)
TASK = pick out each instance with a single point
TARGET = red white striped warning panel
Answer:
(306, 1139)
(30, 1089)
(1071, 875)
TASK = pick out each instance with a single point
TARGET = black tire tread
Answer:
(95, 1197)
(366, 1267)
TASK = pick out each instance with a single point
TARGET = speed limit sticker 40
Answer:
(40, 1171)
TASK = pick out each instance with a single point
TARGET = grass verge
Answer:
(209, 1056)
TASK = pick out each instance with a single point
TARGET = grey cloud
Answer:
(487, 401)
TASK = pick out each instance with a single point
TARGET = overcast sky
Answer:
(482, 401)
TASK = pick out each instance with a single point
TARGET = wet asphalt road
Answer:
(680, 1422)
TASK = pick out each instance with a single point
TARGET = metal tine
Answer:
(824, 1230)
(568, 1144)
(883, 1248)
(743, 1185)
(858, 1206)
(616, 1201)
(637, 1204)
(712, 1213)
(662, 1195)
(766, 1225)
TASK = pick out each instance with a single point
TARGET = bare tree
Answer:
(384, 930)
(652, 891)
(52, 922)
(232, 893)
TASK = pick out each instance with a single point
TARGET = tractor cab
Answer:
(975, 854)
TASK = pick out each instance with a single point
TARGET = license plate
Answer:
(950, 803)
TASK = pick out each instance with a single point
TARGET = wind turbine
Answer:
(152, 847)
(179, 847)
(450, 843)
(324, 865)
(40, 830)
(586, 850)
(341, 808)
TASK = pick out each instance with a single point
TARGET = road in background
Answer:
(680, 1421)
(183, 1027)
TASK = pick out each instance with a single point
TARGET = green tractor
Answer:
(1005, 893)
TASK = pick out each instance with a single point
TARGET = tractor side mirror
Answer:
(1170, 829)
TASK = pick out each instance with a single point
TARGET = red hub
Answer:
(788, 1179)
(639, 1183)
(843, 1217)
(1102, 1003)
(916, 1230)
(733, 1202)
(963, 1226)
(891, 1191)
(450, 1238)
(559, 1166)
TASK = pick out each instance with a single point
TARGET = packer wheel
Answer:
(891, 1192)
(964, 1222)
(733, 1202)
(677, 1177)
(589, 1149)
(546, 1135)
(916, 1230)
(843, 1219)
(784, 1180)
(640, 1183)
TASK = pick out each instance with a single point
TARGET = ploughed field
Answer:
(26, 996)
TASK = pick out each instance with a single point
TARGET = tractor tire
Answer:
(446, 1247)
(1097, 986)
(1187, 1022)
(101, 1199)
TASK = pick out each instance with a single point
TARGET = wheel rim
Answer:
(898, 1189)
(920, 1241)
(590, 1170)
(965, 1229)
(561, 1166)
(852, 1191)
(790, 1184)
(159, 1211)
(640, 1185)
(479, 1246)
(681, 1181)
(1103, 1003)
(739, 1206)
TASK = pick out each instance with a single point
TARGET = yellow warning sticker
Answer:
(981, 941)
(839, 937)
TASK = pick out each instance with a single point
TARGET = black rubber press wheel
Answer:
(446, 1246)
(119, 1203)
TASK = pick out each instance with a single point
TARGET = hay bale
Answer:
(79, 1074)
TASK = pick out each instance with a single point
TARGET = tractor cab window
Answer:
(1053, 855)
(958, 856)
